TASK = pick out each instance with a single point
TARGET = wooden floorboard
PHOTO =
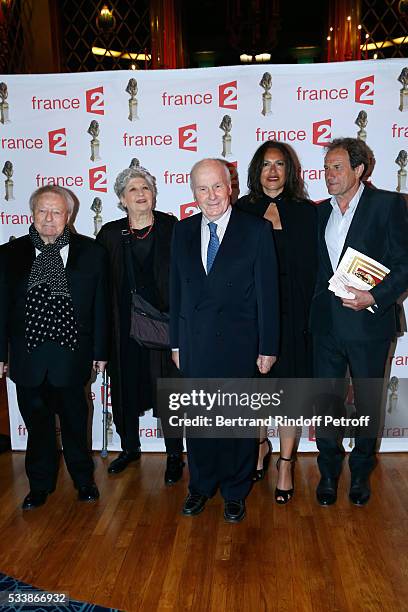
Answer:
(134, 550)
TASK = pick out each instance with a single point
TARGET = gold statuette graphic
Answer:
(266, 83)
(4, 107)
(97, 209)
(93, 131)
(393, 394)
(131, 89)
(226, 126)
(362, 121)
(9, 184)
(401, 161)
(403, 79)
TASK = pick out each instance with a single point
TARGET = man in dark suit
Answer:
(53, 330)
(346, 334)
(223, 322)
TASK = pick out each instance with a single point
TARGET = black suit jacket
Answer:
(379, 229)
(221, 322)
(86, 272)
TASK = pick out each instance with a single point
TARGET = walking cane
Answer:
(105, 412)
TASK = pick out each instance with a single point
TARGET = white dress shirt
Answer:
(338, 226)
(222, 223)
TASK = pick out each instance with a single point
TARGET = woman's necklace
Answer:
(140, 236)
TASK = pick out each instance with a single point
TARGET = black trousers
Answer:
(38, 407)
(138, 390)
(129, 437)
(227, 463)
(366, 361)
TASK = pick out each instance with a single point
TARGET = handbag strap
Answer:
(127, 242)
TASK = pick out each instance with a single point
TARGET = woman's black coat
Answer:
(111, 237)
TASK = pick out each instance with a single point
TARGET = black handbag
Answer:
(148, 325)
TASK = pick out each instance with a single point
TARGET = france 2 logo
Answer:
(321, 132)
(187, 136)
(228, 95)
(187, 210)
(97, 179)
(364, 90)
(57, 141)
(233, 169)
(95, 101)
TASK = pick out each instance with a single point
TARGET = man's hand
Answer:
(363, 299)
(265, 362)
(99, 366)
(175, 355)
(3, 368)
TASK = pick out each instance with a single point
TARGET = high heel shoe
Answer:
(285, 495)
(260, 473)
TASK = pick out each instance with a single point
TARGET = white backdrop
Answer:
(170, 122)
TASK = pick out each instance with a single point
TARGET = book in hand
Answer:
(356, 270)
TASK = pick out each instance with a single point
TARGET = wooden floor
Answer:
(134, 550)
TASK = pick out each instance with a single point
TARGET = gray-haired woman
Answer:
(133, 369)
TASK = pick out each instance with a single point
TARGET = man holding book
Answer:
(356, 332)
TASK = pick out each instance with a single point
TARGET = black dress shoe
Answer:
(174, 469)
(194, 504)
(88, 493)
(234, 511)
(326, 491)
(122, 461)
(359, 491)
(34, 499)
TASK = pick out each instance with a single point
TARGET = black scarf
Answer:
(49, 307)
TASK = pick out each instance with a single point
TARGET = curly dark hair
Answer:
(294, 185)
(358, 151)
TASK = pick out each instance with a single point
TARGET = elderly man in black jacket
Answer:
(53, 330)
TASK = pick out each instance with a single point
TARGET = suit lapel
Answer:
(358, 223)
(228, 247)
(194, 247)
(23, 264)
(73, 254)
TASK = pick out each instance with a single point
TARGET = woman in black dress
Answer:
(277, 193)
(141, 239)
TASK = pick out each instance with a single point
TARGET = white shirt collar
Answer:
(222, 222)
(353, 202)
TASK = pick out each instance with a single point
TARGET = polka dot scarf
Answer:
(49, 308)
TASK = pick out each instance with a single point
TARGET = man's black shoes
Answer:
(88, 493)
(359, 491)
(194, 504)
(122, 461)
(174, 469)
(234, 511)
(34, 499)
(326, 491)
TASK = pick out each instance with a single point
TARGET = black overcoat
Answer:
(87, 280)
